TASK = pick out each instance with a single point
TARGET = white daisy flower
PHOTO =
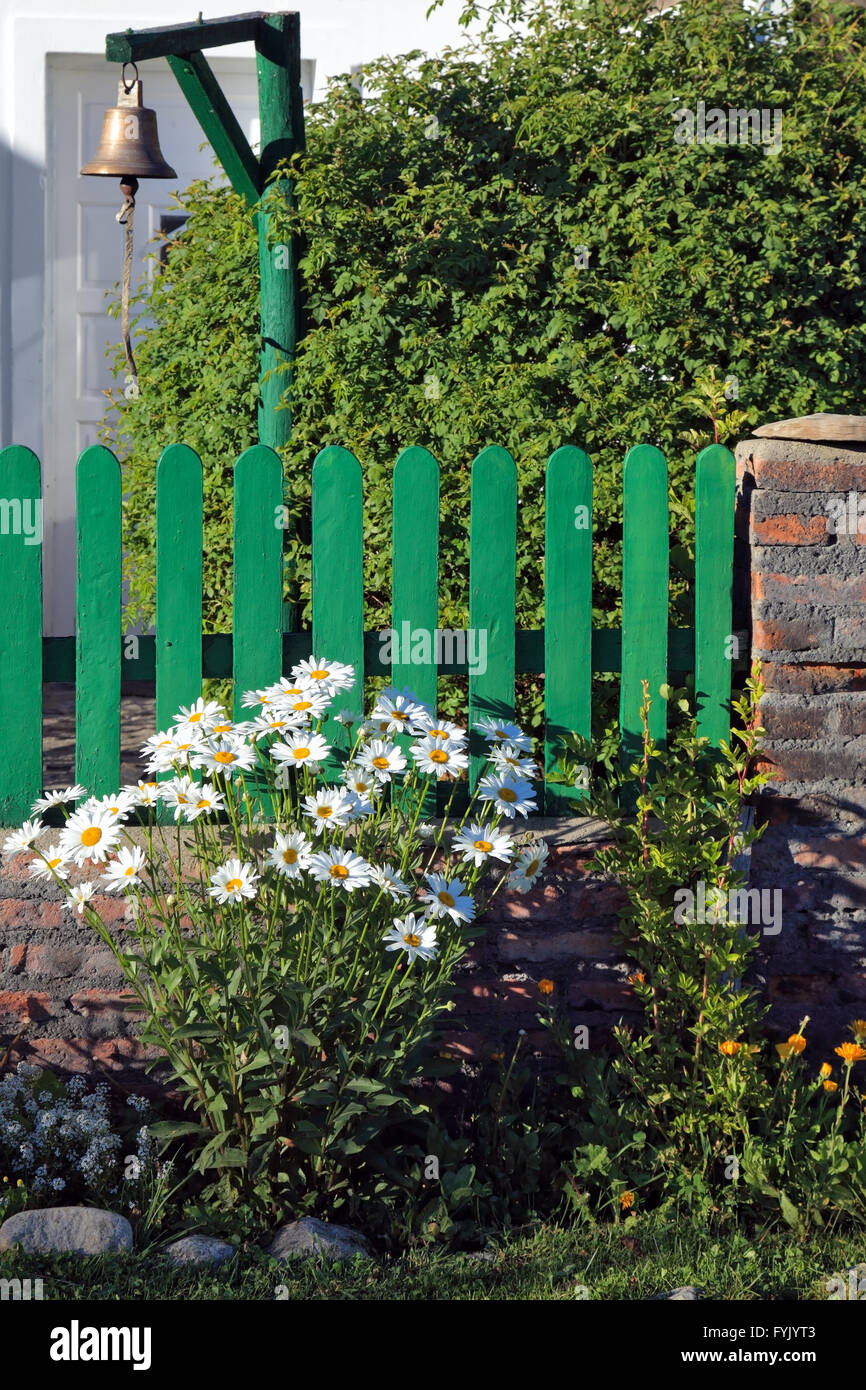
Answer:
(309, 704)
(440, 729)
(362, 807)
(51, 866)
(389, 881)
(437, 757)
(507, 759)
(233, 882)
(79, 897)
(448, 899)
(300, 749)
(89, 835)
(272, 722)
(381, 759)
(416, 937)
(180, 793)
(119, 804)
(204, 801)
(480, 842)
(290, 854)
(225, 753)
(341, 869)
(329, 810)
(527, 867)
(362, 784)
(347, 717)
(144, 793)
(200, 717)
(500, 731)
(159, 751)
(509, 795)
(123, 872)
(330, 676)
(57, 798)
(398, 715)
(251, 699)
(20, 841)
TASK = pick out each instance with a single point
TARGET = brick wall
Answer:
(802, 590)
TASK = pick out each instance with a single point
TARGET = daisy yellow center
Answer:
(221, 728)
(224, 757)
(513, 761)
(234, 885)
(181, 799)
(290, 856)
(303, 704)
(484, 845)
(338, 871)
(129, 872)
(202, 805)
(91, 836)
(399, 714)
(438, 755)
(164, 743)
(380, 762)
(325, 811)
(52, 863)
(438, 733)
(506, 794)
(115, 810)
(195, 718)
(412, 939)
(319, 675)
(300, 753)
(532, 867)
(445, 898)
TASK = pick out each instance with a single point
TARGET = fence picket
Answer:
(567, 611)
(21, 631)
(257, 614)
(178, 581)
(645, 541)
(415, 580)
(338, 577)
(714, 544)
(98, 622)
(492, 589)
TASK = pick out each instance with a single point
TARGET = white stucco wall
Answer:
(335, 34)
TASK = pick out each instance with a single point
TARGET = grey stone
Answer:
(690, 1293)
(312, 1237)
(79, 1230)
(199, 1250)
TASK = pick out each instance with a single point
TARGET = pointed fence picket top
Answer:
(715, 487)
(338, 579)
(492, 591)
(21, 631)
(98, 622)
(567, 613)
(645, 541)
(565, 652)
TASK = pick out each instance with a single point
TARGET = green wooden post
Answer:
(338, 579)
(20, 632)
(492, 585)
(567, 611)
(178, 581)
(98, 618)
(714, 547)
(415, 578)
(644, 595)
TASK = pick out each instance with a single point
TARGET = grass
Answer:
(633, 1261)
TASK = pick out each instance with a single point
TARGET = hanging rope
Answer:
(128, 188)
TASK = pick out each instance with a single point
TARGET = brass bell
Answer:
(129, 144)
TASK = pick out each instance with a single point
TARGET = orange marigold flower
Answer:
(626, 1200)
(545, 986)
(858, 1028)
(729, 1048)
(637, 978)
(826, 1069)
(831, 1085)
(797, 1043)
(784, 1050)
(850, 1052)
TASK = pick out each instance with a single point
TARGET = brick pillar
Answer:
(801, 593)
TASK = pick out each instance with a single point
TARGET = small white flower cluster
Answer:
(49, 1139)
(286, 735)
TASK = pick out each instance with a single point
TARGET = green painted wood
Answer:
(98, 622)
(415, 578)
(492, 579)
(257, 613)
(219, 123)
(178, 581)
(20, 631)
(714, 547)
(644, 594)
(567, 607)
(134, 46)
(338, 577)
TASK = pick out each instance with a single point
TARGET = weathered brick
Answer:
(56, 962)
(790, 529)
(834, 852)
(605, 994)
(24, 912)
(804, 474)
(25, 1006)
(812, 678)
(821, 589)
(556, 946)
(101, 1001)
(795, 719)
(800, 989)
(16, 960)
(802, 764)
(791, 635)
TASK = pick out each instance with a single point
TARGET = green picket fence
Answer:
(566, 650)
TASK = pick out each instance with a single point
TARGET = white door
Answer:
(84, 256)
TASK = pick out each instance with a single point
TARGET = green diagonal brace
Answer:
(219, 123)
